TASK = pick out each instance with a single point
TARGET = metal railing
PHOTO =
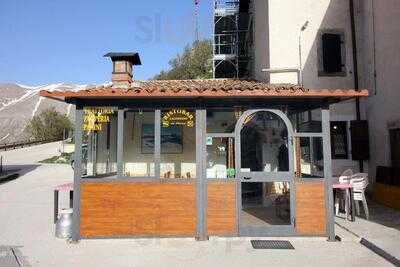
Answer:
(1, 165)
(15, 145)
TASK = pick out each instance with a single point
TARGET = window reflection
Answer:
(222, 120)
(311, 157)
(220, 158)
(139, 143)
(178, 145)
(99, 141)
(265, 204)
(264, 143)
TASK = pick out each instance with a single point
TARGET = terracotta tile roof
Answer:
(202, 88)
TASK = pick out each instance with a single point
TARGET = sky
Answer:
(63, 41)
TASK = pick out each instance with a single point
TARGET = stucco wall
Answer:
(277, 46)
(261, 38)
(383, 105)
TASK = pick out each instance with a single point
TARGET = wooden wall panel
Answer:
(221, 208)
(112, 209)
(387, 195)
(310, 208)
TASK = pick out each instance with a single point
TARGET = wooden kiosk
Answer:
(199, 158)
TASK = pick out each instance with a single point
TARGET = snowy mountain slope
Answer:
(19, 103)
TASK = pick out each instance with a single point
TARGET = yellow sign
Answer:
(94, 118)
(178, 116)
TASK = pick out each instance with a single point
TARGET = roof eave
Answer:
(273, 94)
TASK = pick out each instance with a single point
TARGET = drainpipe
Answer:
(374, 46)
(355, 66)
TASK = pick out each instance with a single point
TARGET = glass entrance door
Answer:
(264, 160)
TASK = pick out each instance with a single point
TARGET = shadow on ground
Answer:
(384, 215)
(12, 172)
(11, 256)
(379, 214)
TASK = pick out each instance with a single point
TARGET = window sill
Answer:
(332, 74)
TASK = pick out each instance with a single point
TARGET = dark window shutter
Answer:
(332, 52)
(395, 147)
(359, 140)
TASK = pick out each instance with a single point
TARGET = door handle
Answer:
(247, 178)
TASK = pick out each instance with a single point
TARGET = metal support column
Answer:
(120, 143)
(157, 143)
(330, 219)
(77, 174)
(201, 183)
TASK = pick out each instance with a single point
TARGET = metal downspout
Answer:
(355, 66)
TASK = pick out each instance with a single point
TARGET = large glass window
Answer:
(264, 144)
(265, 204)
(178, 144)
(221, 123)
(220, 157)
(222, 120)
(139, 141)
(310, 162)
(177, 141)
(308, 121)
(99, 141)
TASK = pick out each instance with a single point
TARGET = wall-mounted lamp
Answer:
(302, 29)
(305, 25)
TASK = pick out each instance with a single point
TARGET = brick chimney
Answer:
(122, 74)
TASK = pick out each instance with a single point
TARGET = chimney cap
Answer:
(131, 57)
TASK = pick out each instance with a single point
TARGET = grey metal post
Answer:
(201, 189)
(157, 143)
(326, 131)
(120, 143)
(77, 174)
(55, 205)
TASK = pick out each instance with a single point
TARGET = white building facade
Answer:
(288, 49)
(379, 53)
(310, 43)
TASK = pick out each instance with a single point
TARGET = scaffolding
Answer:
(230, 58)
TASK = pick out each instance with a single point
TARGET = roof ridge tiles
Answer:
(202, 87)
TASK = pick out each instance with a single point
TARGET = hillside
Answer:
(19, 103)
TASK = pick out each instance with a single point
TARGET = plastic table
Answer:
(349, 187)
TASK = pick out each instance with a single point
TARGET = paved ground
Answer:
(382, 229)
(27, 233)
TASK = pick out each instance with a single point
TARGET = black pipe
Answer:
(355, 66)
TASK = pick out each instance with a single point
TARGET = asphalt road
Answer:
(30, 155)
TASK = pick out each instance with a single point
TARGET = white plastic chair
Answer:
(360, 183)
(343, 179)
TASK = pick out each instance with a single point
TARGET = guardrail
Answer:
(1, 165)
(15, 145)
